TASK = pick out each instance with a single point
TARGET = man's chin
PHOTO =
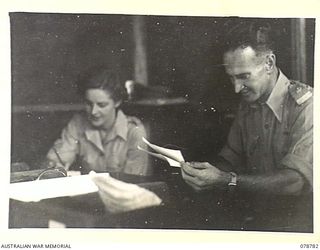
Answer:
(249, 98)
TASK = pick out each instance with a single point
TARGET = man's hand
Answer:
(203, 176)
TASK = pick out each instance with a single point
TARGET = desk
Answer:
(182, 209)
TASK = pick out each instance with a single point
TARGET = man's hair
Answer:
(256, 34)
(102, 78)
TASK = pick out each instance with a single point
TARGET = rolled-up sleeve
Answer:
(233, 149)
(66, 148)
(300, 155)
(137, 161)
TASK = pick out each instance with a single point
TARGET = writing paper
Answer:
(172, 156)
(51, 188)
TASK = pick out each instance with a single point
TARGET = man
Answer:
(270, 144)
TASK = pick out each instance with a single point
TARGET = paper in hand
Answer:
(172, 156)
(119, 196)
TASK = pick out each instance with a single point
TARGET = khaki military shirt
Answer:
(277, 134)
(117, 152)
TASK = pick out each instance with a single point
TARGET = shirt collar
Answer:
(278, 95)
(120, 128)
(121, 125)
(276, 98)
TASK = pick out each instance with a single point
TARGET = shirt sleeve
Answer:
(66, 148)
(300, 154)
(233, 149)
(137, 161)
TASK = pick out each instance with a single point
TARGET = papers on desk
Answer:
(52, 188)
(172, 156)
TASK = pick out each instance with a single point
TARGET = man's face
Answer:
(248, 73)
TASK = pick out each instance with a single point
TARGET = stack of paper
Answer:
(52, 188)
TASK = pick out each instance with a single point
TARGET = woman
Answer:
(103, 139)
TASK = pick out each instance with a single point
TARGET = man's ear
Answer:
(270, 63)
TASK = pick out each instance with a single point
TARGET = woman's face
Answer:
(101, 108)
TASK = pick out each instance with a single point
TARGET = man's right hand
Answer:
(204, 176)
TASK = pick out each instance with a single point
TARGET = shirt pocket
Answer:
(280, 146)
(281, 143)
(90, 158)
(116, 155)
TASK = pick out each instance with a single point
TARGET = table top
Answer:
(182, 208)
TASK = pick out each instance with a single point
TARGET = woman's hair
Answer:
(102, 78)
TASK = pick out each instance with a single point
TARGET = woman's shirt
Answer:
(115, 152)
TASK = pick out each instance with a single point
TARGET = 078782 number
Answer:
(308, 246)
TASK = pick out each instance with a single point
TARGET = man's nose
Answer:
(94, 109)
(237, 86)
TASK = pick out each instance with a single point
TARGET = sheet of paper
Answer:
(172, 156)
(52, 188)
(171, 162)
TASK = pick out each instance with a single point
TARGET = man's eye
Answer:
(102, 104)
(243, 76)
(231, 79)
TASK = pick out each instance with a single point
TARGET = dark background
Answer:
(183, 54)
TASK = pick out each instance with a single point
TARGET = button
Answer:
(266, 126)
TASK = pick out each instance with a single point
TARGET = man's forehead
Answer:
(240, 60)
(240, 55)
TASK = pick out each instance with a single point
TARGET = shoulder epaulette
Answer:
(134, 120)
(300, 92)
